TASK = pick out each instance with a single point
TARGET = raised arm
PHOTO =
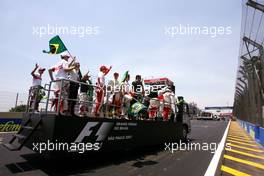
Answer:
(69, 69)
(73, 60)
(33, 71)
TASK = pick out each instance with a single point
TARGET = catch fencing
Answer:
(249, 89)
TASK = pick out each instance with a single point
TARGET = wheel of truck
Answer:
(184, 133)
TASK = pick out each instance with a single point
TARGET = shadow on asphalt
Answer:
(84, 163)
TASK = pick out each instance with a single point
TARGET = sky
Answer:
(131, 35)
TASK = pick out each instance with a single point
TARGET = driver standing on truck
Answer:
(182, 106)
(167, 98)
(125, 88)
(36, 92)
(138, 89)
(114, 97)
(61, 70)
(100, 89)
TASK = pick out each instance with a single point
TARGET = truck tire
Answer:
(184, 133)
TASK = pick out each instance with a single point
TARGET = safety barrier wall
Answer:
(10, 121)
(256, 132)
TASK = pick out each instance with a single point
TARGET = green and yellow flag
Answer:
(124, 76)
(56, 46)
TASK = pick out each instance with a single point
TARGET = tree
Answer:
(19, 108)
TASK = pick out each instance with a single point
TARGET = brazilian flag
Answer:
(124, 76)
(56, 46)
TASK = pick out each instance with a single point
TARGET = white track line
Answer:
(211, 170)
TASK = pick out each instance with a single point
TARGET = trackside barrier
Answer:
(10, 121)
(256, 132)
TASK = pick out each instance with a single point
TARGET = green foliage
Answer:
(19, 108)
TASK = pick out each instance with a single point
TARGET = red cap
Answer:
(103, 68)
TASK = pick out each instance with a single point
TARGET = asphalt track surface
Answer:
(148, 161)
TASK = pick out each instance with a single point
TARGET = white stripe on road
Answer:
(8, 132)
(211, 170)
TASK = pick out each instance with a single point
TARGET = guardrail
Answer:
(56, 96)
(256, 132)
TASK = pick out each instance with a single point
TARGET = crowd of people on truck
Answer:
(117, 97)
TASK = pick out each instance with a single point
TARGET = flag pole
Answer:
(73, 59)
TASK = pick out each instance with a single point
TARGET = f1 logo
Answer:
(101, 133)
